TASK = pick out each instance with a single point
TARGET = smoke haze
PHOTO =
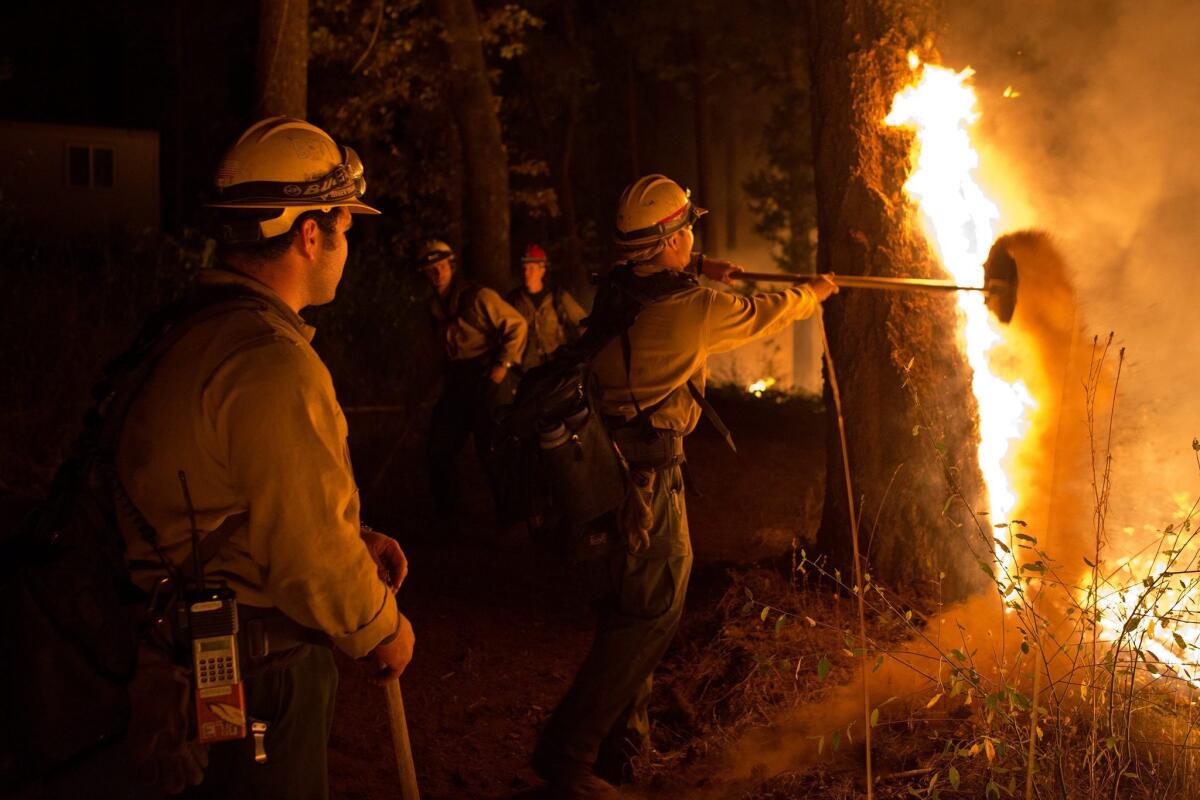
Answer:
(1099, 149)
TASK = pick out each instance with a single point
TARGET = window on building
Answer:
(102, 167)
(89, 166)
(79, 170)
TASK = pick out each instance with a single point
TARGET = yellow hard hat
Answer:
(432, 252)
(288, 164)
(652, 208)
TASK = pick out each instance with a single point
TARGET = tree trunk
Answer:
(486, 253)
(576, 276)
(632, 120)
(281, 61)
(706, 235)
(911, 420)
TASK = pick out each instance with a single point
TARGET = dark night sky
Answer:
(183, 69)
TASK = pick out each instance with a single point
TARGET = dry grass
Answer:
(1049, 687)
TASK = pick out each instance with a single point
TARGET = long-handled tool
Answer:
(999, 282)
(400, 743)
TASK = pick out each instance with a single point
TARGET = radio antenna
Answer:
(197, 562)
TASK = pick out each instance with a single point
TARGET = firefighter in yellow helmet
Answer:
(244, 408)
(651, 381)
(483, 339)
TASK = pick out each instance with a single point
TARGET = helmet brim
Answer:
(355, 207)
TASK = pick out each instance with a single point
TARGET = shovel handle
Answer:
(863, 282)
(400, 743)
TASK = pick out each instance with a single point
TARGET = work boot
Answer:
(571, 780)
(582, 786)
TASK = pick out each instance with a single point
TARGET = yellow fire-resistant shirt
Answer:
(672, 339)
(475, 321)
(245, 407)
(545, 319)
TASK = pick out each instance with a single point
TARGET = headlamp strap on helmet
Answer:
(343, 181)
(687, 215)
(335, 186)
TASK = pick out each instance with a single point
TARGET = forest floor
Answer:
(500, 631)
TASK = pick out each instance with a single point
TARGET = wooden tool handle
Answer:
(863, 282)
(400, 743)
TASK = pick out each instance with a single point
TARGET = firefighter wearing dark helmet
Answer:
(243, 406)
(651, 384)
(482, 339)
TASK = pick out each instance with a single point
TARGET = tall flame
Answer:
(1147, 601)
(958, 221)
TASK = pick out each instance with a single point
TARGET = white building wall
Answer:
(36, 176)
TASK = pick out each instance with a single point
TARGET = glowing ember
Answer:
(759, 386)
(958, 222)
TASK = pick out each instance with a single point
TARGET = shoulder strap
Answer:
(564, 321)
(127, 375)
(710, 413)
(464, 305)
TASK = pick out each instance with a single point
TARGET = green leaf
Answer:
(836, 739)
(874, 717)
(879, 663)
(765, 613)
(954, 777)
(958, 654)
(1034, 566)
(993, 791)
(747, 608)
(779, 623)
(1026, 537)
(916, 430)
(1179, 641)
(823, 667)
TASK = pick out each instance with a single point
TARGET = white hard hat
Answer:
(652, 208)
(290, 165)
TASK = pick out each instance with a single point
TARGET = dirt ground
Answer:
(500, 631)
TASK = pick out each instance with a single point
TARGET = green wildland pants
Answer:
(296, 700)
(605, 710)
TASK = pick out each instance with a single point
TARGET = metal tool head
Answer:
(1000, 282)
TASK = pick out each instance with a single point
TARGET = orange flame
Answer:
(958, 220)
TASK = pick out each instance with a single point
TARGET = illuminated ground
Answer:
(500, 631)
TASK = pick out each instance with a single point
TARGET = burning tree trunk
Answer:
(484, 156)
(911, 420)
(281, 61)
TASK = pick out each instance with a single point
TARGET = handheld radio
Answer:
(217, 674)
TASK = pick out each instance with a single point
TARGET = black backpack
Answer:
(68, 608)
(554, 414)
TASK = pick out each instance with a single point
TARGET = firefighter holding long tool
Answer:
(243, 407)
(651, 379)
